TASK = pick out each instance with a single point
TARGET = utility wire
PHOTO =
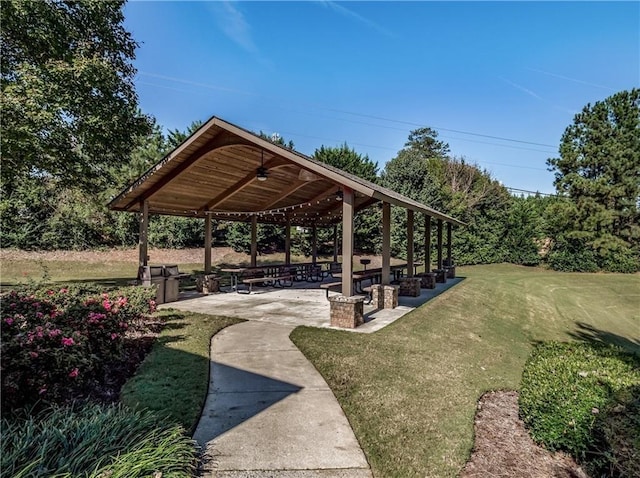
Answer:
(321, 107)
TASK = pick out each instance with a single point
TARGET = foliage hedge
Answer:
(95, 441)
(585, 399)
(57, 342)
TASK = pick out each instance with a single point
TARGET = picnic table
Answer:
(234, 273)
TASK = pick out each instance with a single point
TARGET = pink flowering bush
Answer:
(57, 342)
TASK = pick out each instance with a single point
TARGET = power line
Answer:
(300, 135)
(537, 193)
(362, 115)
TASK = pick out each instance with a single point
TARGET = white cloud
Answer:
(356, 16)
(233, 23)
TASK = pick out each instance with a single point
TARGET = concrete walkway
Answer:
(269, 413)
(302, 304)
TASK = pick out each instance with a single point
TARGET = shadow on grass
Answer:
(589, 333)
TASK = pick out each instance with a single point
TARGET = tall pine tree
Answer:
(599, 170)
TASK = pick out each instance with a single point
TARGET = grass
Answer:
(173, 379)
(410, 390)
(16, 272)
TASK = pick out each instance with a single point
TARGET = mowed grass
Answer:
(173, 379)
(410, 390)
(16, 272)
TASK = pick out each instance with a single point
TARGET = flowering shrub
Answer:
(55, 342)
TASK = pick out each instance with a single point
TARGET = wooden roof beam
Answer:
(218, 141)
(290, 190)
(239, 185)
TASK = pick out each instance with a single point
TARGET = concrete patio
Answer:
(303, 304)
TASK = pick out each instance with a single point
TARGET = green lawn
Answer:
(15, 272)
(174, 377)
(410, 390)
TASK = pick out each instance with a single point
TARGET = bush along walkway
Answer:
(270, 413)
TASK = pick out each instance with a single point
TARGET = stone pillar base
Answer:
(451, 272)
(208, 284)
(409, 287)
(346, 312)
(441, 275)
(427, 280)
(384, 296)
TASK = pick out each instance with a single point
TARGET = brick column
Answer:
(346, 312)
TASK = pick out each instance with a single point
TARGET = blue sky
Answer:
(366, 73)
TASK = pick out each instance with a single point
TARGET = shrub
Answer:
(565, 257)
(571, 396)
(620, 260)
(95, 441)
(56, 342)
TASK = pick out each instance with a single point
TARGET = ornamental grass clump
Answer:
(585, 399)
(55, 343)
(95, 441)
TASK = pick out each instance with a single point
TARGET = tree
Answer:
(423, 171)
(599, 170)
(367, 223)
(69, 108)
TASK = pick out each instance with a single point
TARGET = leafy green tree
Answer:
(599, 170)
(522, 232)
(367, 223)
(423, 171)
(69, 108)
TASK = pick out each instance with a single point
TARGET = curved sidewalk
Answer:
(269, 413)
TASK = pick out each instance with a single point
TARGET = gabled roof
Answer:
(214, 172)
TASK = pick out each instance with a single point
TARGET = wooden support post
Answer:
(347, 242)
(449, 258)
(409, 243)
(439, 243)
(207, 244)
(287, 241)
(335, 243)
(386, 243)
(143, 241)
(427, 243)
(314, 244)
(254, 240)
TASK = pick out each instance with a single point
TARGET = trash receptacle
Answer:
(172, 283)
(153, 275)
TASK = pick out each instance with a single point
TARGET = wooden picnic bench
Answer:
(278, 276)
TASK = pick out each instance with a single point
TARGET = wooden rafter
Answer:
(290, 190)
(215, 143)
(239, 185)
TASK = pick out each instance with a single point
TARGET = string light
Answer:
(277, 211)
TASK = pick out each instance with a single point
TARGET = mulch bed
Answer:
(137, 345)
(503, 447)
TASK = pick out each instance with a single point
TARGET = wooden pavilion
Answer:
(225, 172)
